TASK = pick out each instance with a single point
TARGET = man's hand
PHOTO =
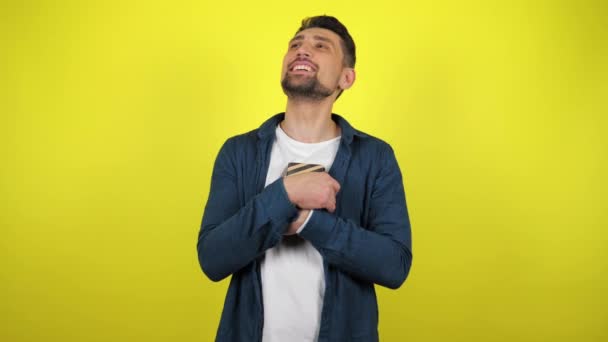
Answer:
(312, 190)
(295, 225)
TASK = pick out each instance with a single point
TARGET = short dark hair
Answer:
(334, 25)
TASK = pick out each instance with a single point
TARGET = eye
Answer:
(320, 45)
(294, 45)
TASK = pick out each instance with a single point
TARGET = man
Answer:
(305, 248)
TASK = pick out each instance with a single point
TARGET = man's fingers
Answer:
(331, 196)
(334, 184)
(331, 203)
(318, 190)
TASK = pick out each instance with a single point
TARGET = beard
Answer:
(310, 89)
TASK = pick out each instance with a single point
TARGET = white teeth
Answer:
(302, 67)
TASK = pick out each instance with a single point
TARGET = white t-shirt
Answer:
(293, 279)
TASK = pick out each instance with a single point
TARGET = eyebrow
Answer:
(317, 37)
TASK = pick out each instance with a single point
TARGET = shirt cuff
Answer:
(305, 222)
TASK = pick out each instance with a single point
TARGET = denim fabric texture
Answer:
(366, 241)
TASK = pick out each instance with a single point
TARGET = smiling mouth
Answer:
(302, 67)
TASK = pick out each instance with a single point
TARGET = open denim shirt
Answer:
(366, 241)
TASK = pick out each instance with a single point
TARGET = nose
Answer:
(303, 50)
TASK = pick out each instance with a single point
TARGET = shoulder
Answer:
(360, 140)
(241, 141)
(368, 144)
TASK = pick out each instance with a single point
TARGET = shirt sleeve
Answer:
(380, 253)
(232, 235)
(305, 222)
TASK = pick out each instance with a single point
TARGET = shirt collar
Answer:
(267, 129)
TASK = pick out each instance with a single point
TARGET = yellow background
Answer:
(112, 113)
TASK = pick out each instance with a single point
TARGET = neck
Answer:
(310, 121)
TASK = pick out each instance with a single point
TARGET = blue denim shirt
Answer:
(366, 241)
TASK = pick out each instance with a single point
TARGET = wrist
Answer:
(290, 195)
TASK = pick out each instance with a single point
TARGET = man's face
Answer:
(313, 64)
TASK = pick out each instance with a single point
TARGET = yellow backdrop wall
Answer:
(112, 113)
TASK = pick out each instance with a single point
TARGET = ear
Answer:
(347, 79)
